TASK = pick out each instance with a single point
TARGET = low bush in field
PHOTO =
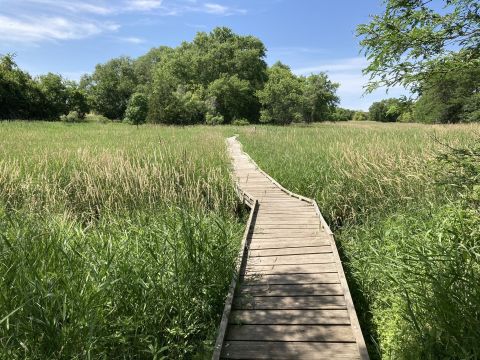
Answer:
(72, 117)
(97, 118)
(240, 122)
(114, 243)
(211, 119)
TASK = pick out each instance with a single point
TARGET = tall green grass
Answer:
(114, 242)
(408, 240)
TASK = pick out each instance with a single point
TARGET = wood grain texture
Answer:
(292, 300)
(289, 350)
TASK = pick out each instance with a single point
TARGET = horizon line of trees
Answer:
(219, 77)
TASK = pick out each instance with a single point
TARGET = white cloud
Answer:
(34, 21)
(216, 8)
(34, 29)
(74, 6)
(348, 64)
(212, 8)
(132, 40)
(143, 5)
(348, 73)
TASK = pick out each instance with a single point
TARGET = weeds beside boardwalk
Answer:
(114, 242)
(409, 238)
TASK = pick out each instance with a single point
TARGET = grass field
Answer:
(409, 236)
(114, 242)
(117, 242)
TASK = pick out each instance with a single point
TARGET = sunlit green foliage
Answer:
(412, 39)
(110, 86)
(119, 244)
(46, 97)
(404, 203)
(137, 109)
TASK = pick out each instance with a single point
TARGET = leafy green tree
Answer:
(282, 96)
(110, 87)
(319, 97)
(388, 110)
(232, 97)
(76, 98)
(137, 109)
(412, 39)
(341, 114)
(360, 116)
(230, 67)
(55, 95)
(224, 52)
(145, 65)
(174, 103)
(20, 96)
(446, 98)
(471, 108)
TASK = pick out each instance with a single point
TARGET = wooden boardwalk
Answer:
(290, 299)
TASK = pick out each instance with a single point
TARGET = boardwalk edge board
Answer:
(233, 284)
(253, 203)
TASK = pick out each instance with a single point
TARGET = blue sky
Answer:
(70, 37)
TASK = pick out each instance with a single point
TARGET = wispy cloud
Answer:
(348, 73)
(295, 50)
(34, 21)
(142, 5)
(132, 40)
(75, 6)
(349, 64)
(35, 29)
(212, 8)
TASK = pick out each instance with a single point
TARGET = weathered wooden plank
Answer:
(311, 226)
(291, 216)
(290, 317)
(291, 289)
(317, 333)
(291, 251)
(278, 233)
(289, 350)
(292, 259)
(233, 284)
(287, 220)
(265, 244)
(273, 279)
(290, 269)
(289, 302)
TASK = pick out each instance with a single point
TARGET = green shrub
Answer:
(137, 109)
(211, 119)
(360, 116)
(240, 122)
(72, 117)
(341, 114)
(97, 118)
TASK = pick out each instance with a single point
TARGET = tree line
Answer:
(222, 78)
(218, 78)
(45, 97)
(450, 97)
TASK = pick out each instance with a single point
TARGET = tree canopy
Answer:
(45, 97)
(281, 98)
(218, 77)
(414, 38)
